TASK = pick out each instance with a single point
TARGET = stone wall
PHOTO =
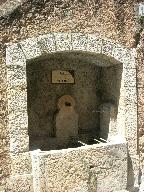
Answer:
(114, 20)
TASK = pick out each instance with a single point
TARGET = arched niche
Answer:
(86, 47)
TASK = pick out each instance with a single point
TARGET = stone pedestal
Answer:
(66, 118)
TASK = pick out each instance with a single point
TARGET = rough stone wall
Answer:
(109, 19)
(140, 91)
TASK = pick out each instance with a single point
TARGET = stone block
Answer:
(4, 133)
(140, 94)
(21, 163)
(94, 43)
(130, 95)
(129, 77)
(79, 42)
(140, 77)
(4, 182)
(4, 145)
(107, 47)
(131, 122)
(63, 41)
(5, 163)
(119, 53)
(22, 183)
(30, 48)
(47, 43)
(14, 55)
(140, 111)
(35, 169)
(130, 61)
(132, 147)
(18, 120)
(88, 168)
(141, 142)
(16, 75)
(19, 141)
(17, 99)
(121, 121)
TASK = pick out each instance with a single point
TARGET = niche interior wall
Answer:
(95, 83)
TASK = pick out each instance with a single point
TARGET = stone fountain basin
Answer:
(98, 167)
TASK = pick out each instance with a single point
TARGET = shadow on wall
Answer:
(96, 92)
(133, 181)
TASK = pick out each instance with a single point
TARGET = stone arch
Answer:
(18, 54)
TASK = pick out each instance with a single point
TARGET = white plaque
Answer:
(141, 9)
(63, 77)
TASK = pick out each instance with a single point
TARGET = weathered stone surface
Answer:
(14, 55)
(140, 111)
(130, 95)
(30, 48)
(19, 141)
(131, 127)
(94, 43)
(21, 163)
(16, 75)
(107, 47)
(79, 41)
(63, 41)
(71, 170)
(4, 145)
(130, 78)
(21, 183)
(47, 43)
(18, 120)
(113, 20)
(133, 171)
(5, 162)
(17, 99)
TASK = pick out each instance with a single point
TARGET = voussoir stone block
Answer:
(19, 141)
(107, 47)
(21, 163)
(118, 53)
(63, 41)
(22, 183)
(16, 75)
(15, 55)
(94, 43)
(79, 41)
(47, 43)
(30, 48)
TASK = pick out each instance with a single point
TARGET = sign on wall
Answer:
(62, 76)
(141, 9)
